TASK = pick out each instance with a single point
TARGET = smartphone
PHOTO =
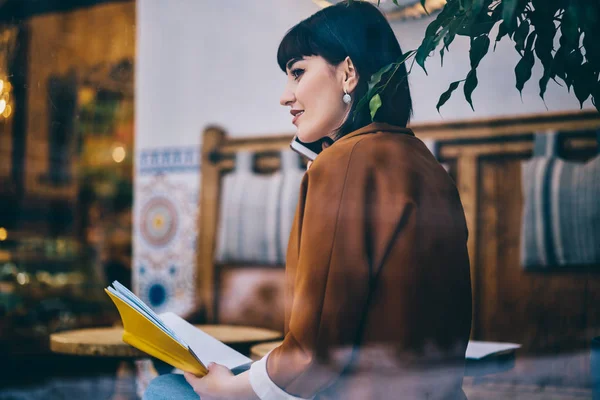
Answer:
(308, 150)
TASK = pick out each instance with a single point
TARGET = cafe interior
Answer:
(143, 142)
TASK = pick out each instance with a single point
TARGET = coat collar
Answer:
(378, 127)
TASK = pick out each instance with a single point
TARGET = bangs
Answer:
(296, 44)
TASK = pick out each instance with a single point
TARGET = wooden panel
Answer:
(487, 260)
(498, 127)
(208, 219)
(543, 311)
(467, 179)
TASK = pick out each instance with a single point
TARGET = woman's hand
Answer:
(221, 384)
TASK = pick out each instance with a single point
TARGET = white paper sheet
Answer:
(206, 347)
(477, 350)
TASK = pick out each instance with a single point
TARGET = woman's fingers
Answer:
(192, 379)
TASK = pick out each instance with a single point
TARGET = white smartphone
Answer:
(308, 150)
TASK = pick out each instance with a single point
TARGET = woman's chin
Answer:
(307, 137)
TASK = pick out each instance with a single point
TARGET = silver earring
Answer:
(346, 99)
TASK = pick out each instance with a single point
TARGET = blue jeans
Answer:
(174, 386)
(170, 386)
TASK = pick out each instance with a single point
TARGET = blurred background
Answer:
(139, 140)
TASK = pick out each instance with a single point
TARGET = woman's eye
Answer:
(296, 73)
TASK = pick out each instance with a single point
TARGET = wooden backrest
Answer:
(218, 158)
(484, 157)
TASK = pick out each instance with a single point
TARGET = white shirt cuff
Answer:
(264, 387)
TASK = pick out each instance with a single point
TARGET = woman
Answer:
(379, 293)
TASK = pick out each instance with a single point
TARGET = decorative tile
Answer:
(165, 228)
(169, 160)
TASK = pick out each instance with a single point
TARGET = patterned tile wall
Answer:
(165, 227)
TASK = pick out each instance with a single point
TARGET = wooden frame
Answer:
(467, 142)
(218, 157)
(462, 144)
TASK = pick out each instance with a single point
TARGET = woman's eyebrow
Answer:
(291, 63)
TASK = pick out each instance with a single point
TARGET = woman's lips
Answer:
(296, 117)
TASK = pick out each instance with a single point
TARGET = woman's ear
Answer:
(349, 74)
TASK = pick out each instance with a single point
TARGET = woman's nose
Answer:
(287, 98)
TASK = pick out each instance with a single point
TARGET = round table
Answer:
(107, 342)
(258, 351)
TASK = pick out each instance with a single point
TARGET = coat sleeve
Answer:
(338, 219)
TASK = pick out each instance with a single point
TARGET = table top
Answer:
(258, 351)
(108, 341)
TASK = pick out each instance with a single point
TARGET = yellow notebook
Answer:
(169, 337)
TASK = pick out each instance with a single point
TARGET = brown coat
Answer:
(377, 255)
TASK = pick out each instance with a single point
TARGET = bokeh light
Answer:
(119, 154)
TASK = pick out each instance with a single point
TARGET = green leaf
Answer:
(583, 82)
(547, 8)
(520, 36)
(423, 5)
(592, 50)
(447, 18)
(479, 48)
(453, 27)
(558, 63)
(573, 63)
(479, 26)
(441, 35)
(568, 28)
(376, 77)
(587, 14)
(508, 13)
(477, 5)
(448, 39)
(449, 13)
(502, 31)
(523, 70)
(530, 40)
(446, 95)
(544, 84)
(544, 43)
(374, 105)
(442, 56)
(424, 50)
(433, 27)
(470, 85)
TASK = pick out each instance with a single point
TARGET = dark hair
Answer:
(358, 30)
